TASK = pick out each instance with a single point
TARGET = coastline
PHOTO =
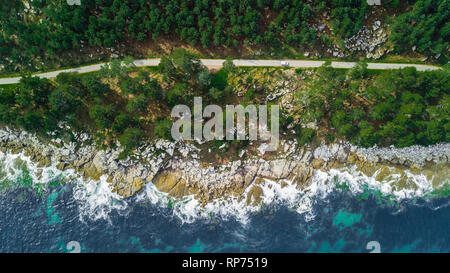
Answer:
(176, 170)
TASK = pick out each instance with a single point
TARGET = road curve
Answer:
(218, 62)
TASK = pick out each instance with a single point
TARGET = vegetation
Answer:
(24, 105)
(162, 128)
(426, 26)
(125, 104)
(186, 78)
(129, 140)
(37, 34)
(347, 16)
(40, 104)
(400, 107)
(117, 103)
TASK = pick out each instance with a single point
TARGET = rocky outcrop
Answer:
(127, 177)
(175, 168)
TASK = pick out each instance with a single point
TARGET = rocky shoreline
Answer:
(176, 168)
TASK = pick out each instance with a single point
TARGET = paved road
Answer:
(218, 62)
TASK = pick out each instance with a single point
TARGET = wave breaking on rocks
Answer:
(173, 174)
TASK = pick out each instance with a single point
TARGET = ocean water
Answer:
(60, 213)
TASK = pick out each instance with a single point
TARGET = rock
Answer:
(134, 172)
(60, 166)
(322, 152)
(166, 181)
(383, 173)
(250, 175)
(44, 162)
(137, 185)
(307, 157)
(180, 189)
(265, 170)
(180, 176)
(317, 163)
(254, 196)
(92, 172)
(352, 158)
(277, 168)
(98, 161)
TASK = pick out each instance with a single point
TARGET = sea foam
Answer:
(96, 200)
(302, 200)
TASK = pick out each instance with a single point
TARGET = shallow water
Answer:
(58, 219)
(340, 211)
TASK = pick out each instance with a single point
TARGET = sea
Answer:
(57, 211)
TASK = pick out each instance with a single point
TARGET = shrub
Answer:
(163, 129)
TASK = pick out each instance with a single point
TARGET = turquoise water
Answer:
(344, 219)
(48, 218)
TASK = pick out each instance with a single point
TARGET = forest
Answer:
(44, 32)
(396, 107)
(114, 103)
(425, 26)
(120, 102)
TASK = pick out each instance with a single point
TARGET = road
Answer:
(218, 63)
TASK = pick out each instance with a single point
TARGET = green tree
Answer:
(130, 138)
(177, 94)
(62, 101)
(229, 66)
(137, 104)
(122, 121)
(163, 128)
(204, 79)
(32, 92)
(103, 115)
(305, 135)
(95, 86)
(167, 68)
(359, 71)
(215, 94)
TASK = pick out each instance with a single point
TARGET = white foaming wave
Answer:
(95, 199)
(185, 211)
(301, 199)
(188, 209)
(358, 182)
(441, 206)
(47, 175)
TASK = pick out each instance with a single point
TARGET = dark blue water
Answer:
(47, 222)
